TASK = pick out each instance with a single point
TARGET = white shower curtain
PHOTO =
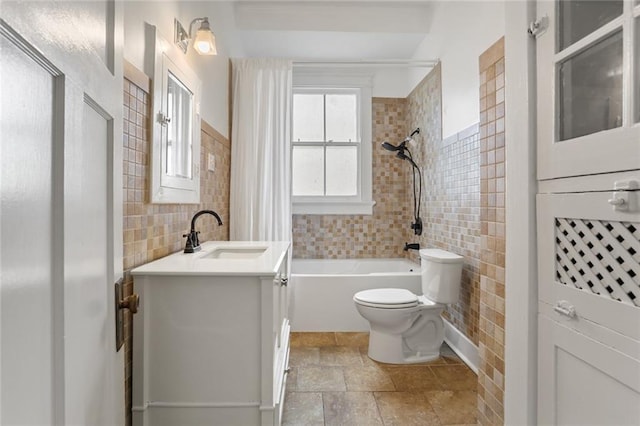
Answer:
(260, 205)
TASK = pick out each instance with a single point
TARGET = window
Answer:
(331, 150)
(175, 153)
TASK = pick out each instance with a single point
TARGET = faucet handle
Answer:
(189, 246)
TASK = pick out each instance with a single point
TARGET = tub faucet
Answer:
(413, 246)
(193, 242)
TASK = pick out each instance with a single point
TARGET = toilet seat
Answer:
(387, 298)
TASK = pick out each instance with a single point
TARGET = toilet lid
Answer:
(387, 298)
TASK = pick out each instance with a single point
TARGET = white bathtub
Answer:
(322, 290)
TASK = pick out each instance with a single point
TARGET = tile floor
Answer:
(333, 382)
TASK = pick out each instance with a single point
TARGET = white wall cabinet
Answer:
(211, 349)
(588, 212)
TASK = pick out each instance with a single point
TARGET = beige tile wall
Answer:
(492, 213)
(152, 231)
(450, 202)
(451, 195)
(365, 236)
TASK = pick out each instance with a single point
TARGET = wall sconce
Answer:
(204, 42)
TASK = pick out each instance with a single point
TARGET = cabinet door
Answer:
(588, 65)
(589, 304)
(589, 260)
(583, 381)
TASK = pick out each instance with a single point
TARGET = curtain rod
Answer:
(391, 63)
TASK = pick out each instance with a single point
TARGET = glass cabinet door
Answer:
(588, 63)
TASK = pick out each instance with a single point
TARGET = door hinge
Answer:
(538, 27)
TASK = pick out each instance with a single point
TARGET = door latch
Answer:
(538, 27)
(624, 194)
(565, 308)
(163, 119)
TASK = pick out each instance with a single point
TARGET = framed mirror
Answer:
(175, 153)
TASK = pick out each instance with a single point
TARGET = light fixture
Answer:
(204, 42)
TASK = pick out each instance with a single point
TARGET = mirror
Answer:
(175, 154)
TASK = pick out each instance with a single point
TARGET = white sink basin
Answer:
(235, 253)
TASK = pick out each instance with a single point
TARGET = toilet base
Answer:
(391, 349)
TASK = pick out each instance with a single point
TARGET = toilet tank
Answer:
(441, 275)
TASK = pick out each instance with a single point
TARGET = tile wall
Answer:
(450, 199)
(451, 195)
(365, 236)
(492, 245)
(152, 231)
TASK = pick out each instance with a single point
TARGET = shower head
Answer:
(391, 147)
(403, 145)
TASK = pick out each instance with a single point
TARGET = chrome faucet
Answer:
(193, 242)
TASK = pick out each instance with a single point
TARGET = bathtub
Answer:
(321, 291)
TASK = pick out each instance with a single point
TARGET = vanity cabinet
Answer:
(211, 340)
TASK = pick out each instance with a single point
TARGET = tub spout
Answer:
(193, 242)
(413, 246)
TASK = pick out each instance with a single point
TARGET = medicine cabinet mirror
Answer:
(175, 153)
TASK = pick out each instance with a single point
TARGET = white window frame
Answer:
(328, 83)
(167, 189)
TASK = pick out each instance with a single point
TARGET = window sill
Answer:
(329, 208)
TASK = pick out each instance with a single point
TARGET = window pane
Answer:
(342, 170)
(637, 79)
(308, 117)
(590, 89)
(308, 170)
(342, 118)
(579, 18)
(179, 130)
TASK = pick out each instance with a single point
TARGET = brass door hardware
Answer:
(131, 302)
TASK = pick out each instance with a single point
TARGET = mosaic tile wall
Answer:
(152, 231)
(451, 195)
(365, 236)
(492, 246)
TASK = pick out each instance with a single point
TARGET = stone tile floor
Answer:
(333, 382)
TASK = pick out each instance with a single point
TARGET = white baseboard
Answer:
(462, 346)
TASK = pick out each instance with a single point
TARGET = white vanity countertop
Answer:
(267, 260)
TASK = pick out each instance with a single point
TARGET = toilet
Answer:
(408, 328)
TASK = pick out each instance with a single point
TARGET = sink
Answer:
(235, 253)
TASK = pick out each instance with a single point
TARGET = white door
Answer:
(61, 220)
(588, 90)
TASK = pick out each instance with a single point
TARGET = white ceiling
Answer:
(326, 30)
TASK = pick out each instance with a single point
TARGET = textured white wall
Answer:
(213, 71)
(460, 32)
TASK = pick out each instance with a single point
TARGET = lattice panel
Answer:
(599, 256)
